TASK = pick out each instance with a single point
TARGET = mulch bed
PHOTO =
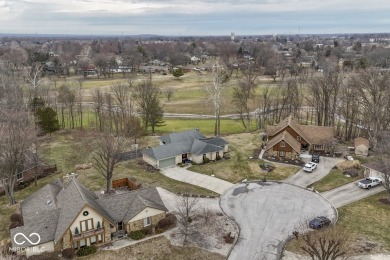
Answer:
(385, 201)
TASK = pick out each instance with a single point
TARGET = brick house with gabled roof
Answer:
(288, 138)
(65, 214)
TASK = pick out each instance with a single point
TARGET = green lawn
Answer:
(239, 167)
(334, 179)
(368, 217)
(206, 126)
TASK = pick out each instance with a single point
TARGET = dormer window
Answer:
(282, 144)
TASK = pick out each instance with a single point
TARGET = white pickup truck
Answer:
(369, 182)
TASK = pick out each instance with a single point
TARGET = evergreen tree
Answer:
(47, 119)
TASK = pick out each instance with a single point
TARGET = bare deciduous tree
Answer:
(324, 244)
(17, 134)
(186, 206)
(107, 154)
(168, 93)
(220, 78)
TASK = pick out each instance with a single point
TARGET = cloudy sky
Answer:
(193, 17)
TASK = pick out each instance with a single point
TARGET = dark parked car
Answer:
(319, 222)
(315, 158)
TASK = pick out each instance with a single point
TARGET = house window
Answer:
(147, 221)
(299, 138)
(282, 144)
(93, 240)
(82, 243)
(204, 157)
(100, 238)
(19, 176)
(86, 225)
(318, 147)
(75, 245)
(282, 154)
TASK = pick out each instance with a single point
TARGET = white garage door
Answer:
(167, 162)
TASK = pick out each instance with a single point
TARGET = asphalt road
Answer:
(349, 193)
(304, 179)
(267, 214)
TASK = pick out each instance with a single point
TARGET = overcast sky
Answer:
(193, 17)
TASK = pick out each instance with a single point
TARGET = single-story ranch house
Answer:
(65, 214)
(288, 138)
(182, 146)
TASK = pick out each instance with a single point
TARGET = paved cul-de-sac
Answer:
(267, 213)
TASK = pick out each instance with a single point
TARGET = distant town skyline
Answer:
(198, 17)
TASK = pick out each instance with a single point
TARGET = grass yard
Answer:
(368, 217)
(367, 220)
(206, 126)
(334, 179)
(156, 248)
(240, 167)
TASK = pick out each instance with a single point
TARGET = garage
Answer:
(166, 162)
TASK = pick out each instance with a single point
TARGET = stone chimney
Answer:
(67, 178)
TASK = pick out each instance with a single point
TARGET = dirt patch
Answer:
(210, 235)
(156, 248)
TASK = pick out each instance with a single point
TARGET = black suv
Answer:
(319, 222)
(315, 158)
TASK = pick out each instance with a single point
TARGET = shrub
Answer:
(136, 235)
(218, 157)
(193, 163)
(16, 217)
(87, 250)
(351, 172)
(172, 218)
(159, 230)
(15, 225)
(167, 222)
(206, 160)
(68, 253)
(147, 230)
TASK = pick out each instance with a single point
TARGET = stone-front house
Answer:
(65, 214)
(288, 138)
(187, 145)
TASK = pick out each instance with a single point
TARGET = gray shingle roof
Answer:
(182, 136)
(125, 206)
(44, 224)
(72, 200)
(51, 219)
(186, 142)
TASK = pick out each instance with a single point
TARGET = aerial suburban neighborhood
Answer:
(125, 138)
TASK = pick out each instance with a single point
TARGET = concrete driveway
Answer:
(304, 179)
(211, 183)
(267, 214)
(349, 193)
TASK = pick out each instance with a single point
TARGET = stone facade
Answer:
(157, 218)
(59, 246)
(107, 231)
(66, 240)
(289, 155)
(139, 224)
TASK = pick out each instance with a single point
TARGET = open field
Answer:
(240, 167)
(156, 248)
(206, 126)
